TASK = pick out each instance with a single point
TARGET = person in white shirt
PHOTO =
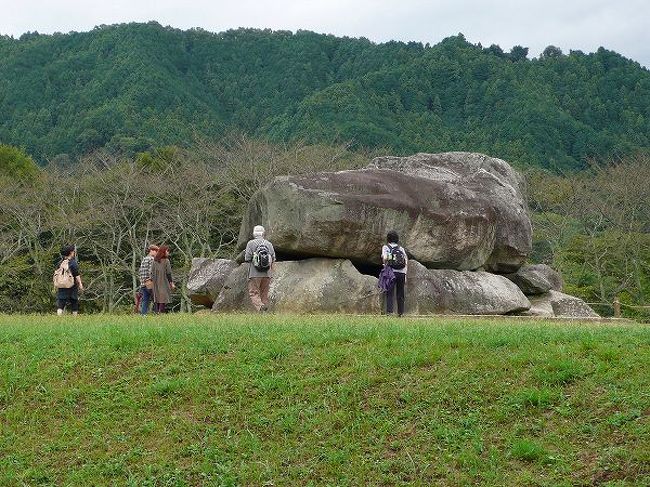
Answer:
(394, 256)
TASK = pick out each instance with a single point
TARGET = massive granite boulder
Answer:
(206, 279)
(453, 211)
(554, 303)
(306, 286)
(536, 279)
(495, 182)
(440, 291)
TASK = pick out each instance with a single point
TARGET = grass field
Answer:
(330, 400)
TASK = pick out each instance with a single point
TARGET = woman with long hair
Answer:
(161, 274)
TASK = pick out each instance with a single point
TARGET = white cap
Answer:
(258, 231)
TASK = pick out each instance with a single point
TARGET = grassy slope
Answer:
(239, 400)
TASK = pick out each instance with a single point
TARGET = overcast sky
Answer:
(620, 25)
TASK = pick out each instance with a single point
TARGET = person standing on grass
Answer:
(261, 256)
(394, 256)
(161, 275)
(146, 280)
(67, 280)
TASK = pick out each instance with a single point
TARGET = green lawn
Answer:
(327, 400)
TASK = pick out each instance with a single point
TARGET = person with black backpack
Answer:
(261, 256)
(394, 256)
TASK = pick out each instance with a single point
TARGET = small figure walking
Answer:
(261, 256)
(67, 281)
(394, 256)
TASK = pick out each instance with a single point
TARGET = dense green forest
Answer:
(128, 88)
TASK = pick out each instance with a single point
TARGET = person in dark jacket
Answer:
(394, 256)
(68, 298)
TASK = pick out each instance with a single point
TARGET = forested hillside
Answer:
(132, 87)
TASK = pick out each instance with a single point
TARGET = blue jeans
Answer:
(147, 296)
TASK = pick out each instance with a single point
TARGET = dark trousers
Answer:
(398, 291)
(71, 303)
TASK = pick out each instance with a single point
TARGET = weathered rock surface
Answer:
(539, 307)
(206, 278)
(320, 285)
(347, 215)
(307, 286)
(536, 279)
(455, 211)
(234, 293)
(438, 291)
(554, 303)
(494, 182)
(335, 286)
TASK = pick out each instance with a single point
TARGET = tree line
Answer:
(112, 208)
(130, 88)
(593, 226)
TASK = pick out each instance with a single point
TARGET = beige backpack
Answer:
(63, 278)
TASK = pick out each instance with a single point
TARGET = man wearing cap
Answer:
(259, 279)
(146, 282)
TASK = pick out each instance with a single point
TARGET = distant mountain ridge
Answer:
(129, 87)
